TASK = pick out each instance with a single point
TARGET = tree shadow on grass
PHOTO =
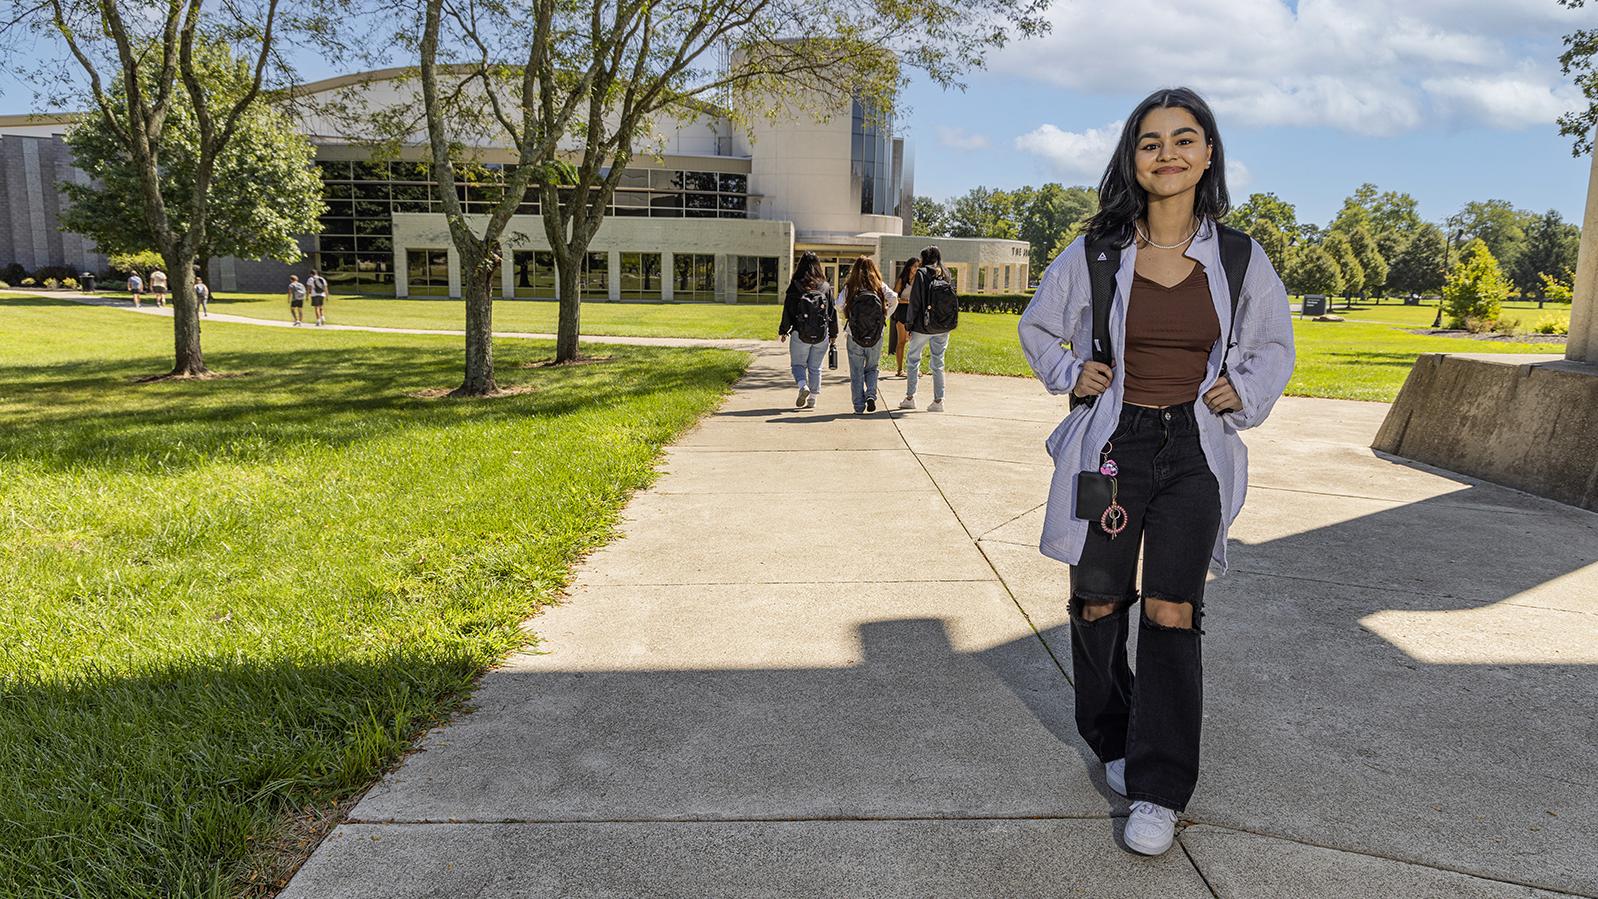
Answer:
(89, 413)
(1366, 358)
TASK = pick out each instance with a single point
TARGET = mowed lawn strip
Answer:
(1366, 357)
(228, 604)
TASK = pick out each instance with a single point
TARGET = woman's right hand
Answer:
(1094, 379)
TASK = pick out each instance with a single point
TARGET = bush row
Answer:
(1013, 303)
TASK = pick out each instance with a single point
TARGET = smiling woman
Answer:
(1179, 336)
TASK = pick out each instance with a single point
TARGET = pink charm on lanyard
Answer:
(1114, 519)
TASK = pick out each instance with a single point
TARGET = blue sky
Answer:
(1449, 100)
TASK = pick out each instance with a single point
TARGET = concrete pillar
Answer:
(507, 269)
(1583, 345)
(454, 272)
(402, 273)
(613, 277)
(668, 273)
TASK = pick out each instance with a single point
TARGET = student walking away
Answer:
(136, 287)
(203, 295)
(808, 314)
(867, 306)
(296, 300)
(934, 312)
(1179, 336)
(158, 288)
(317, 285)
(899, 332)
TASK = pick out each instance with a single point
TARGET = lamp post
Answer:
(1448, 244)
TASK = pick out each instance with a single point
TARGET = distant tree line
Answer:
(1376, 245)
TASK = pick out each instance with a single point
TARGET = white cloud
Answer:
(960, 139)
(1237, 176)
(1365, 66)
(1076, 155)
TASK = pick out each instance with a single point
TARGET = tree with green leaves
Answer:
(1270, 238)
(1342, 249)
(1267, 206)
(1581, 46)
(580, 90)
(1476, 288)
(929, 217)
(1551, 246)
(265, 191)
(1372, 264)
(1498, 224)
(1052, 211)
(984, 212)
(1419, 267)
(139, 62)
(1313, 270)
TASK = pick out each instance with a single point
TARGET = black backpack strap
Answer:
(1104, 263)
(1237, 249)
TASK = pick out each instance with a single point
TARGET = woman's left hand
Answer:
(1221, 398)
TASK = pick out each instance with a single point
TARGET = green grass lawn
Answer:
(1365, 358)
(226, 605)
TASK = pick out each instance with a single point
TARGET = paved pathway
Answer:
(823, 660)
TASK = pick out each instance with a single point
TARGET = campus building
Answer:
(705, 211)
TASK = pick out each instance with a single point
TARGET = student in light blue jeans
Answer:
(867, 306)
(912, 367)
(807, 310)
(931, 270)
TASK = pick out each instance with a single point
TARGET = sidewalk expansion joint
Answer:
(735, 819)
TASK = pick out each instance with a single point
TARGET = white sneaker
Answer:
(937, 406)
(804, 394)
(811, 402)
(1115, 775)
(1150, 829)
(908, 402)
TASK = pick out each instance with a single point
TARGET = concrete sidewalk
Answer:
(825, 660)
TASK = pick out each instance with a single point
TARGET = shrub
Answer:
(53, 273)
(1476, 288)
(1511, 326)
(1551, 324)
(50, 283)
(28, 282)
(1013, 303)
(13, 273)
(4, 286)
(69, 283)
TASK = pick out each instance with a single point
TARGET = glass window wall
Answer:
(757, 279)
(693, 277)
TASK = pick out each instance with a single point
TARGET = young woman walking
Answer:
(867, 306)
(1154, 439)
(808, 314)
(900, 335)
(933, 306)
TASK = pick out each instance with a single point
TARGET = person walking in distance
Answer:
(317, 286)
(899, 334)
(297, 300)
(1179, 336)
(158, 288)
(867, 306)
(934, 312)
(136, 288)
(203, 295)
(808, 314)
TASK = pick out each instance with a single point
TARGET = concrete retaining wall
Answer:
(1528, 422)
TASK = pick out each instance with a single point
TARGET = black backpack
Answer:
(941, 312)
(866, 318)
(810, 318)
(1104, 261)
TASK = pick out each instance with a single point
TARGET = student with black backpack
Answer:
(934, 312)
(1179, 335)
(808, 314)
(867, 305)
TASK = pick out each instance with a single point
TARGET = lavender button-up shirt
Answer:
(1060, 314)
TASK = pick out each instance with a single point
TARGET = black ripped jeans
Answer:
(1173, 508)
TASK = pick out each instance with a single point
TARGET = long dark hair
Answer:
(932, 258)
(808, 272)
(1122, 201)
(905, 270)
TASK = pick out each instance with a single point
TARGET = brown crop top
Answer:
(1169, 334)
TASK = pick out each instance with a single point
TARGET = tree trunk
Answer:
(188, 360)
(570, 310)
(475, 273)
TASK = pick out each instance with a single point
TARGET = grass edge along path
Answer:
(229, 605)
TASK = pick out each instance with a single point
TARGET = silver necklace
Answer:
(1150, 241)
